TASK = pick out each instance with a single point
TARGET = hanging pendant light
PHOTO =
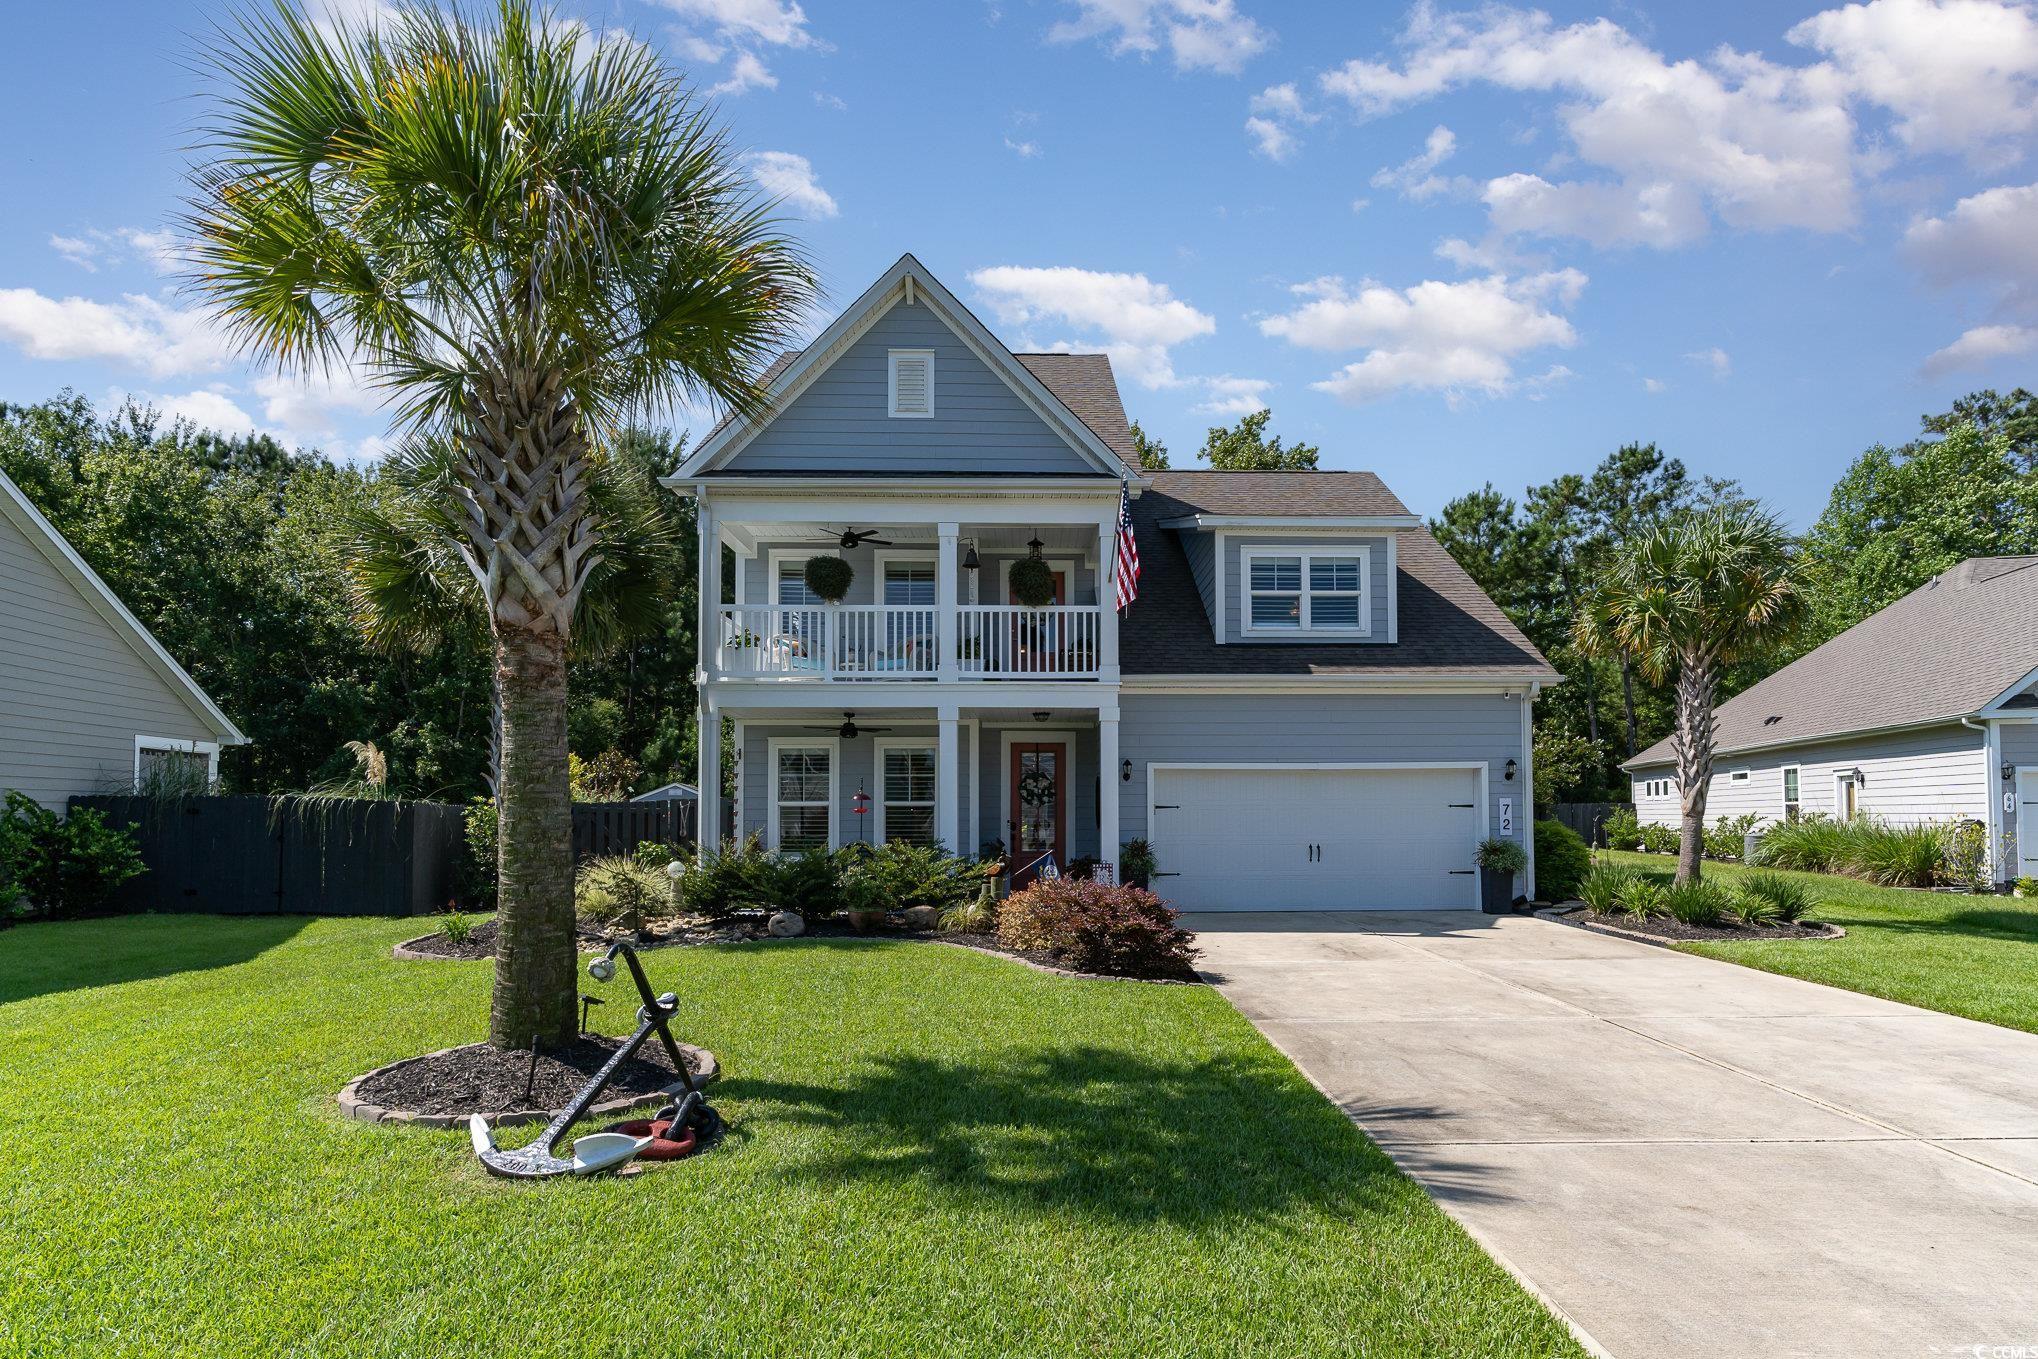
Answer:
(1033, 546)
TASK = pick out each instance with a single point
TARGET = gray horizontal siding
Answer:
(1934, 774)
(979, 424)
(1331, 729)
(1201, 549)
(73, 693)
(1235, 585)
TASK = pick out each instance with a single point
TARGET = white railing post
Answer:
(945, 632)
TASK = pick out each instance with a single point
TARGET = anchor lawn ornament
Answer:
(690, 1122)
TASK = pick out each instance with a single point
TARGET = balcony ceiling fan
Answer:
(852, 538)
(848, 730)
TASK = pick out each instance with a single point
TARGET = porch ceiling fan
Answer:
(848, 730)
(852, 538)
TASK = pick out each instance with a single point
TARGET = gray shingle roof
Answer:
(1942, 652)
(1446, 622)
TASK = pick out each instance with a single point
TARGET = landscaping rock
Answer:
(920, 917)
(785, 925)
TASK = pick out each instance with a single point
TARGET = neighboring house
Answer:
(671, 792)
(89, 702)
(1308, 705)
(1927, 711)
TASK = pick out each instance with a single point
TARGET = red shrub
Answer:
(1120, 931)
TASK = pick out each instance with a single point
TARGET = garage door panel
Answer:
(1391, 839)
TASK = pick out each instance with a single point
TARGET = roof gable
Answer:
(826, 409)
(1955, 646)
(43, 536)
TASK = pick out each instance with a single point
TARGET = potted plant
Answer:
(1033, 582)
(829, 577)
(1136, 863)
(863, 899)
(1499, 860)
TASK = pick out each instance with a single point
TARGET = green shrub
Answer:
(1727, 838)
(456, 925)
(2027, 887)
(1810, 844)
(13, 864)
(725, 879)
(476, 872)
(1602, 887)
(977, 915)
(1787, 897)
(808, 883)
(617, 890)
(1623, 829)
(1701, 903)
(1963, 848)
(1502, 855)
(919, 875)
(1751, 910)
(861, 887)
(67, 865)
(1892, 856)
(1659, 839)
(1562, 861)
(1119, 931)
(1136, 863)
(1640, 897)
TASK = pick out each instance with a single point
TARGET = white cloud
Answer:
(1980, 346)
(1416, 177)
(1275, 113)
(205, 408)
(746, 73)
(1140, 320)
(1663, 214)
(835, 103)
(1201, 35)
(1654, 386)
(77, 250)
(785, 175)
(1956, 75)
(1715, 360)
(1449, 337)
(1991, 236)
(775, 23)
(94, 247)
(164, 250)
(1228, 395)
(1023, 150)
(1270, 139)
(137, 331)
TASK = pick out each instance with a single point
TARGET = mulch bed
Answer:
(484, 1079)
(1663, 927)
(745, 929)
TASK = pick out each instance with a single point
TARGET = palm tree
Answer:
(524, 234)
(1690, 597)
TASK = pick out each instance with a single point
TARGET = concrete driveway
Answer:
(1684, 1157)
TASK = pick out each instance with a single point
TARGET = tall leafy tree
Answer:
(1685, 600)
(1153, 454)
(523, 234)
(2014, 417)
(1245, 447)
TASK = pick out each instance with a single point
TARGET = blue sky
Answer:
(1450, 244)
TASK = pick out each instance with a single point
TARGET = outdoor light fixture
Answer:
(1042, 717)
(1033, 546)
(969, 558)
(1512, 770)
(2009, 771)
(1125, 770)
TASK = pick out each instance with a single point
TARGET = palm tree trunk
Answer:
(1697, 688)
(534, 952)
(1627, 693)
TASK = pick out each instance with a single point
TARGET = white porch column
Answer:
(1108, 786)
(1107, 624)
(944, 600)
(947, 767)
(708, 827)
(710, 577)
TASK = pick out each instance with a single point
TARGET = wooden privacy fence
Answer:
(235, 856)
(1586, 818)
(619, 827)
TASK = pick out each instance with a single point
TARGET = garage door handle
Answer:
(1164, 875)
(1461, 872)
(1167, 806)
(1466, 805)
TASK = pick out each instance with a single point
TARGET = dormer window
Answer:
(911, 383)
(1305, 591)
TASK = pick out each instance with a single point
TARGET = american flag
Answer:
(1128, 552)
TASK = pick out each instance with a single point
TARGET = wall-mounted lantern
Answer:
(1512, 769)
(1125, 771)
(2009, 771)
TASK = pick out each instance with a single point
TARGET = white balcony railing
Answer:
(881, 641)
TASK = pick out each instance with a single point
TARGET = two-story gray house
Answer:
(1307, 706)
(89, 701)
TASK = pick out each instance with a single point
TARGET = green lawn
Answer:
(1965, 955)
(934, 1153)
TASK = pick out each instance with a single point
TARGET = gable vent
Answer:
(912, 382)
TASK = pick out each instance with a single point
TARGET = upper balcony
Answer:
(927, 602)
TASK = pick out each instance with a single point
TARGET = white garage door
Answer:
(1272, 839)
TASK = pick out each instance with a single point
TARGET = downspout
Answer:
(1991, 754)
(1528, 772)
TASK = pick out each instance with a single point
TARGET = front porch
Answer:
(1034, 780)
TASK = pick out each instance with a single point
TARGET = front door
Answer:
(1038, 789)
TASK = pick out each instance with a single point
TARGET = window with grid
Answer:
(908, 787)
(801, 790)
(791, 589)
(1306, 592)
(909, 583)
(1792, 806)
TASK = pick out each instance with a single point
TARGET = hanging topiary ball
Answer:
(829, 577)
(1033, 582)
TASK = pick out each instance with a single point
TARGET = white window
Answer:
(1792, 806)
(1738, 776)
(909, 583)
(1307, 590)
(790, 588)
(911, 383)
(802, 794)
(172, 768)
(905, 803)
